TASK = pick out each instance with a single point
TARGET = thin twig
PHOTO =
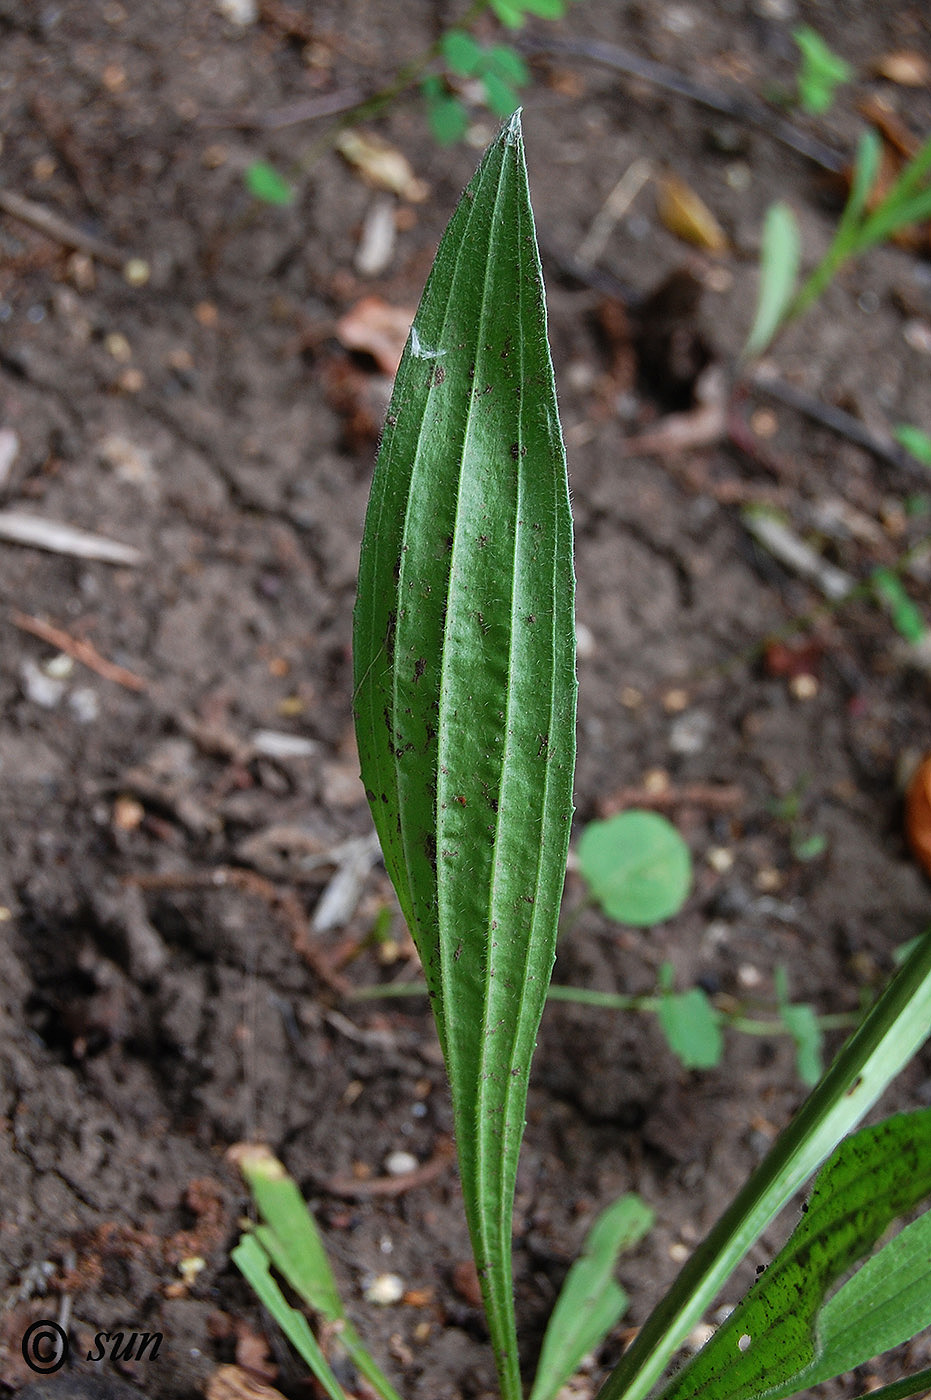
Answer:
(331, 104)
(716, 797)
(283, 902)
(839, 422)
(60, 230)
(81, 651)
(352, 1188)
(736, 107)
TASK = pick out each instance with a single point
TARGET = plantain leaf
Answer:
(590, 1302)
(770, 1343)
(464, 659)
(691, 1027)
(886, 1302)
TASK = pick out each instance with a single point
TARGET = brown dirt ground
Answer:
(153, 1011)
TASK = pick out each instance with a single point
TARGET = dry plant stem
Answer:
(282, 902)
(844, 424)
(715, 797)
(83, 652)
(59, 230)
(332, 104)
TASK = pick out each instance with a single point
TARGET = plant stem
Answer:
(619, 1001)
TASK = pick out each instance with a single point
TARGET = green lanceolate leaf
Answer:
(770, 1343)
(886, 1302)
(464, 664)
(590, 1301)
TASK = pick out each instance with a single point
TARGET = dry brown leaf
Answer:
(233, 1383)
(687, 215)
(905, 67)
(918, 814)
(377, 328)
(381, 164)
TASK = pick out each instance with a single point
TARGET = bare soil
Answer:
(165, 993)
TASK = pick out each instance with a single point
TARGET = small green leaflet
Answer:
(914, 440)
(906, 615)
(590, 1302)
(265, 183)
(821, 71)
(782, 1337)
(690, 1024)
(637, 866)
(464, 661)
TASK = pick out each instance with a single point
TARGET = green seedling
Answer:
(860, 228)
(821, 71)
(498, 70)
(914, 440)
(465, 706)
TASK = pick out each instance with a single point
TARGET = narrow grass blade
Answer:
(465, 679)
(887, 1039)
(590, 1302)
(252, 1262)
(780, 252)
(777, 1340)
(918, 1384)
(290, 1242)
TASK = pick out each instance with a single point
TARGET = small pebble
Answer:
(385, 1290)
(720, 858)
(118, 347)
(40, 688)
(674, 701)
(768, 880)
(749, 976)
(400, 1163)
(84, 704)
(690, 733)
(803, 687)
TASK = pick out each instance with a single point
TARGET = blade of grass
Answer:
(253, 1263)
(590, 1301)
(780, 252)
(290, 1241)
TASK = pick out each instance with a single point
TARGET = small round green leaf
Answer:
(637, 866)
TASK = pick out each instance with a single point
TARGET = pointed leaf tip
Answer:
(512, 128)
